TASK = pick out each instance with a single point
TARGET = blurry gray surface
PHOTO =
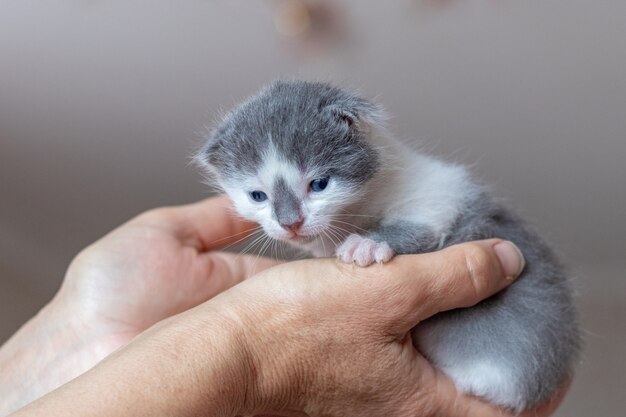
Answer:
(101, 104)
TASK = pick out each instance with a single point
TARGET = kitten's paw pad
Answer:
(364, 251)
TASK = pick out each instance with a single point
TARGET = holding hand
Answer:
(329, 339)
(159, 264)
(314, 337)
(156, 265)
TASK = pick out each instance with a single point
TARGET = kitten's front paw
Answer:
(364, 251)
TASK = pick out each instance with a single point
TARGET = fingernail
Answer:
(511, 258)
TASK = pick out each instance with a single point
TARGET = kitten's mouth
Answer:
(297, 237)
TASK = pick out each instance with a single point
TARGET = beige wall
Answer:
(101, 103)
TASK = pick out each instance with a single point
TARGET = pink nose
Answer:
(293, 227)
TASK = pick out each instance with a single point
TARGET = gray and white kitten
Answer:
(314, 166)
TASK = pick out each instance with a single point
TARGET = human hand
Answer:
(309, 338)
(156, 265)
(160, 263)
(334, 340)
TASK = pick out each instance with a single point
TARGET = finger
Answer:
(208, 224)
(218, 271)
(458, 276)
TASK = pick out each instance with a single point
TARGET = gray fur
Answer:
(405, 237)
(531, 327)
(286, 204)
(530, 330)
(313, 124)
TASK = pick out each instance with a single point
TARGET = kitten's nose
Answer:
(293, 227)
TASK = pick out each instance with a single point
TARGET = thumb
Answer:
(458, 276)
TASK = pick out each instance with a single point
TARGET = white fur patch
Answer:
(422, 189)
(485, 378)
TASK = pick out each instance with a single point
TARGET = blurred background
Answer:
(102, 103)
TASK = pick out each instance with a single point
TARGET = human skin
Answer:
(315, 337)
(156, 265)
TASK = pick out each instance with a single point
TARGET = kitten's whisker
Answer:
(256, 260)
(253, 234)
(335, 234)
(267, 245)
(249, 247)
(252, 244)
(350, 224)
(334, 221)
(275, 248)
(327, 234)
(340, 236)
(353, 215)
(254, 229)
(346, 212)
(322, 231)
(280, 251)
(255, 238)
(343, 230)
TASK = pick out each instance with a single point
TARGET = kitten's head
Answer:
(294, 156)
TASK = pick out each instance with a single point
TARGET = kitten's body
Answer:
(513, 349)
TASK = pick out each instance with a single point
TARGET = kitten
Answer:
(314, 166)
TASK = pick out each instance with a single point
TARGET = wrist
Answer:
(211, 343)
(189, 365)
(240, 349)
(276, 367)
(49, 350)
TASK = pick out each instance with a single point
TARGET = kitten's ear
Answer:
(357, 113)
(343, 115)
(205, 156)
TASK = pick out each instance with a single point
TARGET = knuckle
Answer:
(479, 266)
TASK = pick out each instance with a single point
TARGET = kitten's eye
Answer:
(319, 184)
(258, 196)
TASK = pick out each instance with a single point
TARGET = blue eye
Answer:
(319, 184)
(258, 196)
